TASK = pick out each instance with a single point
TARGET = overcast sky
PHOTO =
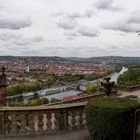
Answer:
(80, 28)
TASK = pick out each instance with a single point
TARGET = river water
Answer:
(113, 76)
(60, 95)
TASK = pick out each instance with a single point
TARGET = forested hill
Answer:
(51, 59)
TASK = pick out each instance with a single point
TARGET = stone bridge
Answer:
(58, 122)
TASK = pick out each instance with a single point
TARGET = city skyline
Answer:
(69, 28)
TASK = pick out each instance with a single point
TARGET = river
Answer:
(114, 76)
(60, 95)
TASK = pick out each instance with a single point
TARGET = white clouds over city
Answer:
(82, 28)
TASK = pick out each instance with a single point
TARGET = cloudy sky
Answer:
(82, 28)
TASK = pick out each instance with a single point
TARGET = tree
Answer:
(10, 91)
(92, 88)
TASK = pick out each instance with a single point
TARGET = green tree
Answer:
(10, 90)
(92, 88)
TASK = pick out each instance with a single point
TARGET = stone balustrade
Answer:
(16, 121)
(128, 88)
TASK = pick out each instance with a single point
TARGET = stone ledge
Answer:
(80, 134)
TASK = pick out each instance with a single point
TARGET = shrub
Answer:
(111, 118)
(54, 100)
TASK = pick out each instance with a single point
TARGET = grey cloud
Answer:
(120, 26)
(37, 39)
(88, 13)
(11, 39)
(58, 14)
(88, 31)
(72, 34)
(134, 18)
(14, 23)
(9, 36)
(22, 42)
(82, 31)
(27, 41)
(67, 23)
(106, 5)
(129, 25)
(74, 15)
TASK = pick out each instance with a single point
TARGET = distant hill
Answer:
(56, 59)
(34, 59)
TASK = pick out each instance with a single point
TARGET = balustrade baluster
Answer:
(73, 120)
(31, 123)
(70, 124)
(84, 120)
(8, 126)
(77, 119)
(18, 123)
(2, 123)
(53, 121)
(45, 122)
(40, 122)
(81, 119)
(36, 128)
(62, 119)
(49, 124)
(13, 124)
(23, 124)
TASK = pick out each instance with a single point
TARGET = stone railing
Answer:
(84, 99)
(16, 121)
(128, 88)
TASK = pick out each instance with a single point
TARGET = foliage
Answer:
(116, 69)
(23, 87)
(93, 88)
(138, 32)
(54, 100)
(111, 118)
(56, 79)
(33, 102)
(130, 77)
(132, 97)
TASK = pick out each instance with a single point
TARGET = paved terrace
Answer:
(81, 134)
(128, 93)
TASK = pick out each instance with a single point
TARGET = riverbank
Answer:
(61, 93)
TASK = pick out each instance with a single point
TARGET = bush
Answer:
(54, 100)
(111, 118)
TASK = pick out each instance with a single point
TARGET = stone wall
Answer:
(20, 121)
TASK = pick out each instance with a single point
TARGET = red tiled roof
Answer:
(70, 97)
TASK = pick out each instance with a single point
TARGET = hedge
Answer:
(110, 118)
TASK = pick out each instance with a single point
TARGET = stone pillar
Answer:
(2, 123)
(3, 85)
